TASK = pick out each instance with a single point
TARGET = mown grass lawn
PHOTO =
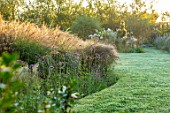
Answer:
(144, 86)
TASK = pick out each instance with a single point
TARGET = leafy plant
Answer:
(85, 25)
(30, 51)
(60, 63)
(135, 50)
(163, 43)
(9, 86)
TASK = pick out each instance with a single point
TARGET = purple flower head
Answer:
(31, 65)
(52, 67)
(60, 63)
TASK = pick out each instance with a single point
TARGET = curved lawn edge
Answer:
(143, 87)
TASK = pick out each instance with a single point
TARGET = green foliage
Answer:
(135, 50)
(89, 83)
(64, 13)
(29, 51)
(8, 8)
(91, 75)
(5, 43)
(138, 20)
(51, 12)
(62, 63)
(48, 95)
(99, 58)
(9, 86)
(85, 25)
(163, 43)
(42, 13)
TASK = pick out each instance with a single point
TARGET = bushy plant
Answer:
(5, 43)
(29, 51)
(163, 43)
(48, 95)
(61, 62)
(89, 83)
(85, 25)
(135, 50)
(159, 42)
(98, 58)
(168, 44)
(9, 86)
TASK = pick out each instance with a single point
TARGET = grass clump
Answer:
(99, 57)
(30, 40)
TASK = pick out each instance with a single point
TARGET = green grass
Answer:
(144, 86)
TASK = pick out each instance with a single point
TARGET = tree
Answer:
(9, 8)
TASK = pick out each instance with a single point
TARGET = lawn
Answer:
(143, 87)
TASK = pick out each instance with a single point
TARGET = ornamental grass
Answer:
(55, 40)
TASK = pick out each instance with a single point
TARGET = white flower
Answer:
(16, 104)
(52, 92)
(41, 111)
(48, 92)
(48, 106)
(101, 38)
(74, 95)
(55, 98)
(2, 86)
(53, 104)
(6, 69)
(63, 90)
(16, 93)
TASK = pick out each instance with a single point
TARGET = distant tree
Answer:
(85, 25)
(140, 19)
(9, 8)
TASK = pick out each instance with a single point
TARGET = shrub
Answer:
(160, 42)
(135, 50)
(9, 86)
(168, 44)
(29, 97)
(99, 57)
(29, 51)
(85, 25)
(163, 43)
(90, 83)
(5, 43)
(60, 63)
